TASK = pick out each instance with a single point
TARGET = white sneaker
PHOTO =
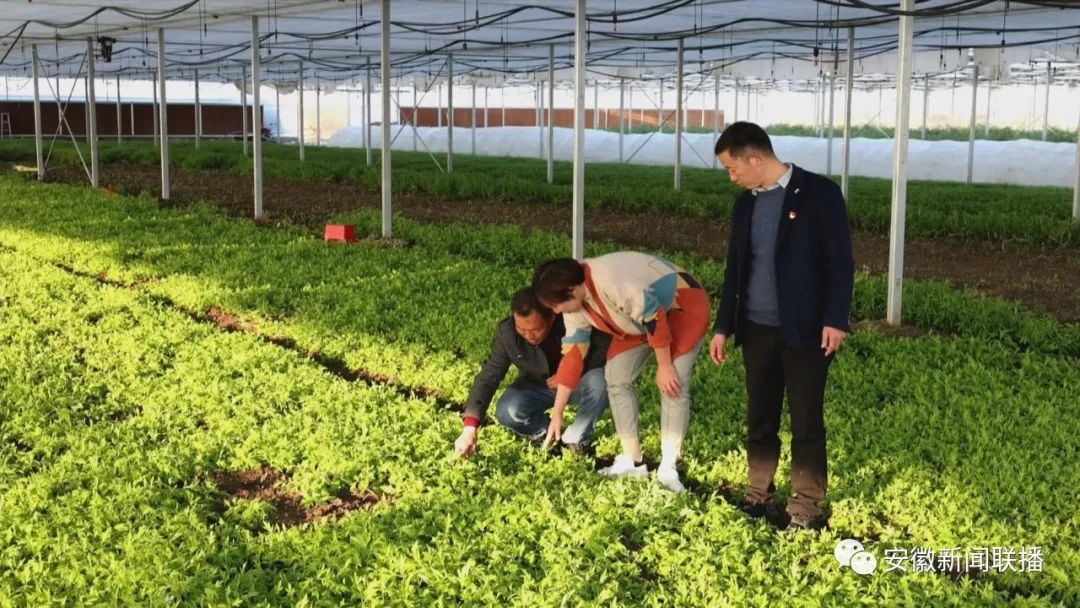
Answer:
(669, 478)
(624, 467)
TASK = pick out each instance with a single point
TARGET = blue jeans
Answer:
(522, 408)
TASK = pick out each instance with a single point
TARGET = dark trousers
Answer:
(772, 369)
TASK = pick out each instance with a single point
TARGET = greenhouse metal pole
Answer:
(384, 17)
(578, 225)
(551, 116)
(157, 115)
(1046, 107)
(925, 103)
(622, 121)
(630, 110)
(198, 113)
(163, 115)
(86, 101)
(832, 107)
(845, 181)
(596, 105)
(131, 115)
(318, 112)
(540, 113)
(256, 119)
(1076, 186)
(277, 115)
(119, 112)
(367, 113)
(971, 127)
(472, 122)
(899, 177)
(735, 117)
(487, 107)
(91, 124)
(244, 106)
(38, 147)
(678, 112)
(438, 107)
(300, 111)
(449, 112)
(715, 115)
(989, 89)
(412, 119)
(502, 105)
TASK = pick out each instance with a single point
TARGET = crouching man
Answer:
(531, 339)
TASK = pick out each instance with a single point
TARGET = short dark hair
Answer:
(742, 137)
(554, 281)
(524, 303)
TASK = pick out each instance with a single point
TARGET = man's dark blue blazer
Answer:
(815, 269)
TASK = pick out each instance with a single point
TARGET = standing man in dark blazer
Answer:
(786, 300)
(531, 340)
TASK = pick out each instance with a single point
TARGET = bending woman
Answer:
(647, 304)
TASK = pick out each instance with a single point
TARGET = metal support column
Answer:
(198, 113)
(900, 158)
(91, 114)
(678, 113)
(244, 106)
(551, 116)
(578, 223)
(849, 87)
(971, 126)
(163, 115)
(256, 119)
(38, 147)
(449, 112)
(385, 129)
(300, 111)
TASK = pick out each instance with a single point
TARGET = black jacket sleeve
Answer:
(488, 380)
(839, 259)
(725, 315)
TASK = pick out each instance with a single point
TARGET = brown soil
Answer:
(265, 484)
(1042, 278)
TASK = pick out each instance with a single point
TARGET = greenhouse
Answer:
(254, 254)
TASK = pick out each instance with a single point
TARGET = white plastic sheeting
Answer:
(996, 162)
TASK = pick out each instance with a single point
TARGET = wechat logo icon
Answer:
(850, 553)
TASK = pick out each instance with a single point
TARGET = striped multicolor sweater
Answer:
(633, 297)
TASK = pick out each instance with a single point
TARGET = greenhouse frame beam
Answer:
(578, 223)
(256, 120)
(38, 143)
(971, 125)
(449, 112)
(551, 116)
(163, 115)
(900, 158)
(678, 112)
(198, 113)
(91, 116)
(243, 107)
(300, 110)
(845, 180)
(387, 228)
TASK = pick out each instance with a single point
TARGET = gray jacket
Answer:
(507, 348)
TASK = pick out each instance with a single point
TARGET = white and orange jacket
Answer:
(637, 298)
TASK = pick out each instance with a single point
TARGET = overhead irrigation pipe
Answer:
(385, 131)
(899, 172)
